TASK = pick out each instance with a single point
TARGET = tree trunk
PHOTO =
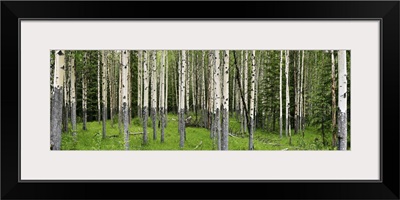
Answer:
(203, 90)
(145, 96)
(98, 88)
(217, 100)
(73, 96)
(252, 98)
(166, 89)
(245, 83)
(225, 97)
(333, 88)
(139, 86)
(301, 95)
(211, 93)
(280, 95)
(104, 89)
(287, 90)
(84, 92)
(57, 103)
(162, 95)
(125, 105)
(154, 93)
(342, 96)
(66, 97)
(187, 86)
(182, 101)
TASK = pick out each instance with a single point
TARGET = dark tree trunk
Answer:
(56, 113)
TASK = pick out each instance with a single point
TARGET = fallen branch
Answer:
(232, 135)
(201, 142)
(138, 133)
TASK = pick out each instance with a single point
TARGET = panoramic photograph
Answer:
(279, 100)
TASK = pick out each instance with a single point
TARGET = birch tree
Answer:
(280, 95)
(84, 92)
(98, 88)
(57, 103)
(217, 99)
(252, 98)
(333, 91)
(166, 89)
(162, 95)
(225, 97)
(104, 92)
(301, 94)
(287, 90)
(139, 86)
(125, 105)
(73, 96)
(154, 92)
(182, 101)
(145, 96)
(211, 94)
(342, 96)
(245, 83)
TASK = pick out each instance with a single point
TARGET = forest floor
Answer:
(197, 138)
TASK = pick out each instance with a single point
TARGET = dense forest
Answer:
(200, 100)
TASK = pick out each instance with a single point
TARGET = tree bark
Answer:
(342, 96)
(217, 99)
(84, 92)
(333, 91)
(73, 96)
(154, 93)
(245, 83)
(125, 105)
(280, 95)
(140, 86)
(252, 98)
(182, 84)
(287, 91)
(145, 96)
(104, 89)
(98, 88)
(225, 97)
(57, 103)
(162, 95)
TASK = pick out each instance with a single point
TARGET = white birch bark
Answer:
(342, 96)
(125, 102)
(73, 96)
(217, 99)
(57, 103)
(145, 96)
(98, 88)
(252, 98)
(182, 101)
(211, 92)
(104, 92)
(225, 97)
(280, 95)
(162, 95)
(287, 91)
(187, 83)
(154, 92)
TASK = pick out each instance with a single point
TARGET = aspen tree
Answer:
(333, 91)
(73, 96)
(280, 96)
(84, 92)
(225, 98)
(57, 103)
(252, 98)
(145, 96)
(287, 90)
(154, 92)
(98, 88)
(245, 82)
(104, 92)
(342, 96)
(182, 101)
(140, 86)
(217, 100)
(162, 95)
(125, 103)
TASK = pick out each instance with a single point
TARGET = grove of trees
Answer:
(262, 96)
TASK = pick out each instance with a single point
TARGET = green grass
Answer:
(196, 138)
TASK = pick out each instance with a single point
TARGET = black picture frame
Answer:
(386, 11)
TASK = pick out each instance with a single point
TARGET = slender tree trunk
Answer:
(192, 82)
(98, 88)
(139, 86)
(145, 96)
(66, 97)
(217, 99)
(252, 98)
(73, 96)
(287, 91)
(109, 78)
(203, 89)
(125, 105)
(211, 93)
(154, 93)
(182, 101)
(187, 84)
(225, 97)
(104, 88)
(280, 95)
(301, 95)
(84, 92)
(246, 94)
(166, 90)
(242, 113)
(57, 103)
(342, 96)
(333, 88)
(120, 114)
(162, 95)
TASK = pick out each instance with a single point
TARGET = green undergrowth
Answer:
(197, 138)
